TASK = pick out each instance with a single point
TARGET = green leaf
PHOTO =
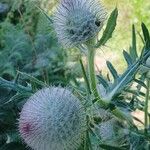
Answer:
(127, 58)
(110, 27)
(112, 70)
(103, 81)
(18, 97)
(146, 36)
(123, 81)
(14, 86)
(33, 79)
(133, 49)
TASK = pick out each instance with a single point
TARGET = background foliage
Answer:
(129, 12)
(29, 53)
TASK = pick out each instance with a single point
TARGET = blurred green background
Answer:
(130, 12)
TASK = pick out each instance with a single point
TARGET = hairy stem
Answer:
(146, 105)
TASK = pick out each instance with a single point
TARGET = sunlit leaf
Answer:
(111, 24)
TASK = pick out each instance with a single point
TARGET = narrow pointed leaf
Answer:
(133, 49)
(146, 36)
(111, 24)
(124, 80)
(127, 58)
(14, 86)
(103, 81)
(33, 79)
(112, 70)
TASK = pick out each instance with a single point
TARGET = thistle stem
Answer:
(146, 104)
(92, 76)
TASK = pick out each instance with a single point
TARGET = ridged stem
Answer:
(146, 105)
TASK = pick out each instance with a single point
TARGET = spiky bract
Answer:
(53, 119)
(77, 21)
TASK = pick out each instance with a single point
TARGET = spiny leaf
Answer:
(146, 36)
(33, 79)
(103, 81)
(133, 49)
(18, 97)
(112, 70)
(124, 80)
(111, 24)
(127, 58)
(11, 85)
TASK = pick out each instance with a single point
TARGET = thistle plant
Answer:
(77, 23)
(81, 31)
(53, 118)
(97, 113)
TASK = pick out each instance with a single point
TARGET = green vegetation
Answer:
(31, 58)
(130, 12)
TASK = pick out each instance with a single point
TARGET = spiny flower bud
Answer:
(77, 21)
(106, 129)
(53, 119)
(101, 113)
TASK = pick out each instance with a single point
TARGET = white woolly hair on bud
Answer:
(106, 129)
(77, 21)
(53, 119)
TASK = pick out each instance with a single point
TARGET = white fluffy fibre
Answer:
(53, 119)
(106, 129)
(76, 21)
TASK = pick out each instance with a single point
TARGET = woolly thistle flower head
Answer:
(77, 21)
(53, 119)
